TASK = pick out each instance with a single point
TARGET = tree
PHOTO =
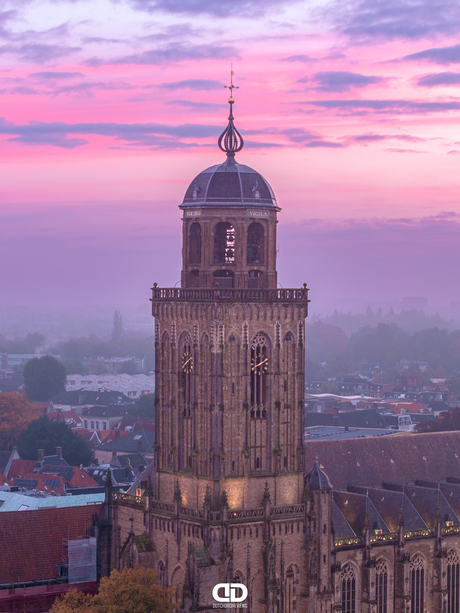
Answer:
(43, 378)
(128, 591)
(15, 414)
(117, 329)
(145, 406)
(45, 434)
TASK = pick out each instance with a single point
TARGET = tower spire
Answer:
(231, 141)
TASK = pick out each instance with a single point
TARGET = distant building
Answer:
(132, 386)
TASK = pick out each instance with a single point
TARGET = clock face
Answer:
(187, 361)
(259, 365)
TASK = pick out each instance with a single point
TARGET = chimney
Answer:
(141, 468)
(139, 445)
(117, 433)
(59, 452)
(41, 455)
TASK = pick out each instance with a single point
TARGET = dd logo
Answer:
(230, 591)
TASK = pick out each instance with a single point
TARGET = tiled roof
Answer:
(400, 458)
(15, 501)
(140, 440)
(34, 540)
(21, 468)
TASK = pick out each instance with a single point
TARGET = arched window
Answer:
(224, 243)
(417, 584)
(255, 252)
(194, 252)
(187, 367)
(223, 278)
(161, 575)
(291, 589)
(453, 581)
(348, 589)
(381, 586)
(259, 372)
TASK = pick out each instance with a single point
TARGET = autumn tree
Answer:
(128, 591)
(43, 378)
(16, 413)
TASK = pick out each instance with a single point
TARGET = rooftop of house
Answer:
(313, 433)
(83, 397)
(18, 501)
(401, 458)
(141, 440)
(34, 540)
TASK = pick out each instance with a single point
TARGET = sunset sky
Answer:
(109, 108)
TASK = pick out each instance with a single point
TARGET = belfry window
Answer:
(259, 376)
(194, 253)
(417, 584)
(223, 278)
(381, 586)
(224, 243)
(453, 581)
(348, 589)
(255, 252)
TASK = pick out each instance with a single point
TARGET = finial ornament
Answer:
(231, 141)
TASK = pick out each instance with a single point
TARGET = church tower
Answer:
(229, 343)
(224, 500)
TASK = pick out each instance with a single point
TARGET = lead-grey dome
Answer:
(230, 184)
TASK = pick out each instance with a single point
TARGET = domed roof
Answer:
(230, 184)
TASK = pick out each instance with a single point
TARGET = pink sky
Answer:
(350, 109)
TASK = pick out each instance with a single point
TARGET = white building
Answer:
(131, 386)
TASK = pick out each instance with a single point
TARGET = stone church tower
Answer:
(224, 500)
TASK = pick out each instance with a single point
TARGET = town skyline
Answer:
(109, 114)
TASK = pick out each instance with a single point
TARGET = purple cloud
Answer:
(340, 81)
(365, 20)
(195, 84)
(372, 138)
(437, 55)
(441, 78)
(49, 75)
(215, 8)
(405, 107)
(394, 150)
(147, 135)
(298, 58)
(39, 53)
(171, 53)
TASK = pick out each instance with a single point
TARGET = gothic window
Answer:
(381, 586)
(259, 375)
(255, 253)
(453, 581)
(224, 243)
(223, 278)
(291, 589)
(187, 366)
(161, 575)
(348, 589)
(417, 584)
(194, 254)
(179, 594)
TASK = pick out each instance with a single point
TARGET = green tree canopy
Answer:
(128, 591)
(145, 406)
(45, 434)
(43, 378)
(16, 413)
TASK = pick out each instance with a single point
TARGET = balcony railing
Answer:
(187, 294)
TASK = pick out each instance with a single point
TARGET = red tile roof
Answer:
(34, 540)
(21, 468)
(4, 480)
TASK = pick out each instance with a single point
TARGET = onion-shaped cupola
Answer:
(230, 184)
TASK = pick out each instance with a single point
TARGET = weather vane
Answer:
(231, 87)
